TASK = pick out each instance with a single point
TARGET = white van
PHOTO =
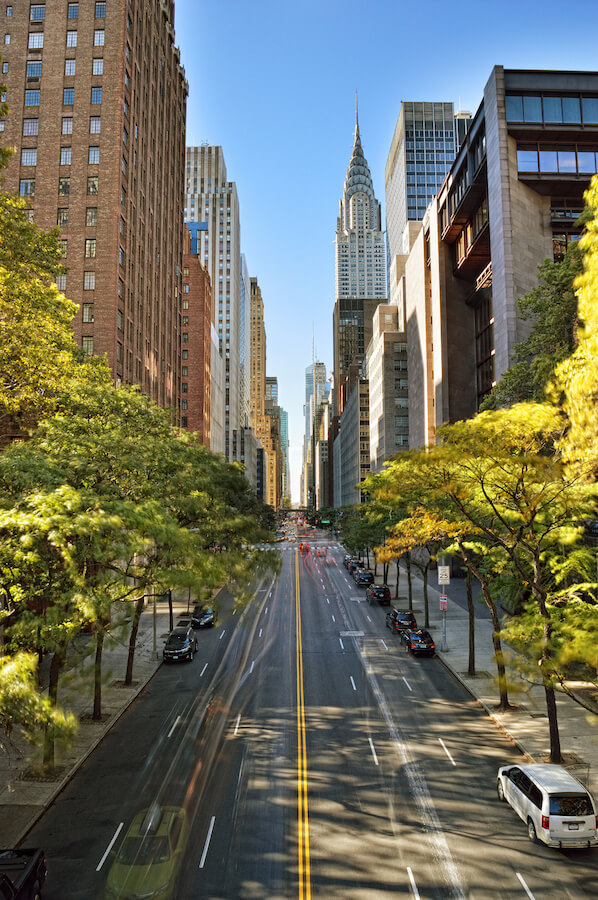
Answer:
(558, 809)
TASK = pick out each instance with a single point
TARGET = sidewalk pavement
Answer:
(527, 725)
(24, 795)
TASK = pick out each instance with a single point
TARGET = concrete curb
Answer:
(77, 765)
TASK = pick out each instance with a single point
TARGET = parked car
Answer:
(181, 643)
(379, 592)
(557, 808)
(148, 860)
(418, 641)
(346, 559)
(22, 874)
(362, 577)
(203, 616)
(400, 620)
(354, 564)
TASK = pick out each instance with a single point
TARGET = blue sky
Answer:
(274, 84)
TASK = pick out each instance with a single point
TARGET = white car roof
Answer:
(553, 778)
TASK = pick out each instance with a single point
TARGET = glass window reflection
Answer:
(586, 161)
(552, 109)
(532, 109)
(548, 161)
(590, 110)
(514, 109)
(527, 160)
(571, 110)
(567, 161)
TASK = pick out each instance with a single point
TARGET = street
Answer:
(318, 760)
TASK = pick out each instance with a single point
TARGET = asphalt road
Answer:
(320, 761)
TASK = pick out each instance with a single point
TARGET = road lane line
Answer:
(368, 618)
(407, 683)
(203, 670)
(333, 619)
(525, 887)
(237, 723)
(109, 847)
(340, 640)
(260, 634)
(444, 747)
(252, 665)
(266, 611)
(384, 643)
(207, 843)
(352, 683)
(176, 722)
(222, 635)
(373, 751)
(413, 884)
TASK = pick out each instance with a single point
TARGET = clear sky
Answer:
(273, 82)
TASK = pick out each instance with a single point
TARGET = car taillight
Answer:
(545, 822)
(432, 646)
(413, 645)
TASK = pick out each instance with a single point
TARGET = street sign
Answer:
(443, 600)
(444, 574)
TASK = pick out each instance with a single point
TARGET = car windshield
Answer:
(176, 640)
(139, 851)
(570, 805)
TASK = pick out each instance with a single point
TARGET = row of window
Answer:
(34, 67)
(32, 96)
(27, 185)
(31, 129)
(36, 39)
(91, 217)
(566, 160)
(552, 110)
(37, 11)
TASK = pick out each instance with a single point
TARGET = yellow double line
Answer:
(302, 810)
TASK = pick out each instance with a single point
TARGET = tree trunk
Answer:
(133, 640)
(409, 585)
(471, 614)
(546, 666)
(385, 573)
(170, 612)
(367, 556)
(55, 668)
(97, 680)
(424, 572)
(498, 654)
(553, 726)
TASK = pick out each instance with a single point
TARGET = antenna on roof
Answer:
(356, 113)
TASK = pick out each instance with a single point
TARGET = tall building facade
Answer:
(100, 154)
(196, 349)
(512, 199)
(263, 402)
(316, 392)
(212, 199)
(360, 267)
(284, 446)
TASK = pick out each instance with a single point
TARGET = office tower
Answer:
(100, 154)
(360, 267)
(512, 199)
(316, 392)
(421, 153)
(386, 363)
(263, 402)
(212, 199)
(196, 324)
(244, 344)
(284, 447)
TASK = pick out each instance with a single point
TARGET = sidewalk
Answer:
(23, 795)
(527, 725)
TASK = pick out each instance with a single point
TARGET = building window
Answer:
(183, 421)
(61, 282)
(91, 215)
(68, 96)
(95, 124)
(90, 248)
(70, 66)
(93, 156)
(4, 68)
(185, 304)
(96, 95)
(185, 339)
(65, 156)
(7, 39)
(1, 124)
(34, 69)
(185, 371)
(63, 248)
(27, 187)
(184, 404)
(186, 288)
(30, 127)
(71, 38)
(64, 186)
(121, 288)
(87, 312)
(121, 257)
(184, 387)
(93, 185)
(89, 281)
(37, 12)
(87, 345)
(185, 320)
(73, 11)
(63, 217)
(67, 124)
(28, 157)
(31, 98)
(98, 37)
(97, 67)
(9, 10)
(100, 10)
(123, 166)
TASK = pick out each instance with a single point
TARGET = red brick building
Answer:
(196, 344)
(97, 100)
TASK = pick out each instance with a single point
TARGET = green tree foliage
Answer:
(553, 308)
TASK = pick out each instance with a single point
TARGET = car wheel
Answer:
(500, 791)
(531, 831)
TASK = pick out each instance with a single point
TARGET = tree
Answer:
(553, 307)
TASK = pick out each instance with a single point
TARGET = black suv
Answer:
(400, 620)
(362, 576)
(379, 592)
(181, 643)
(203, 616)
(418, 641)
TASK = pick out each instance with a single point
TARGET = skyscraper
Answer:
(316, 392)
(360, 267)
(101, 155)
(212, 199)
